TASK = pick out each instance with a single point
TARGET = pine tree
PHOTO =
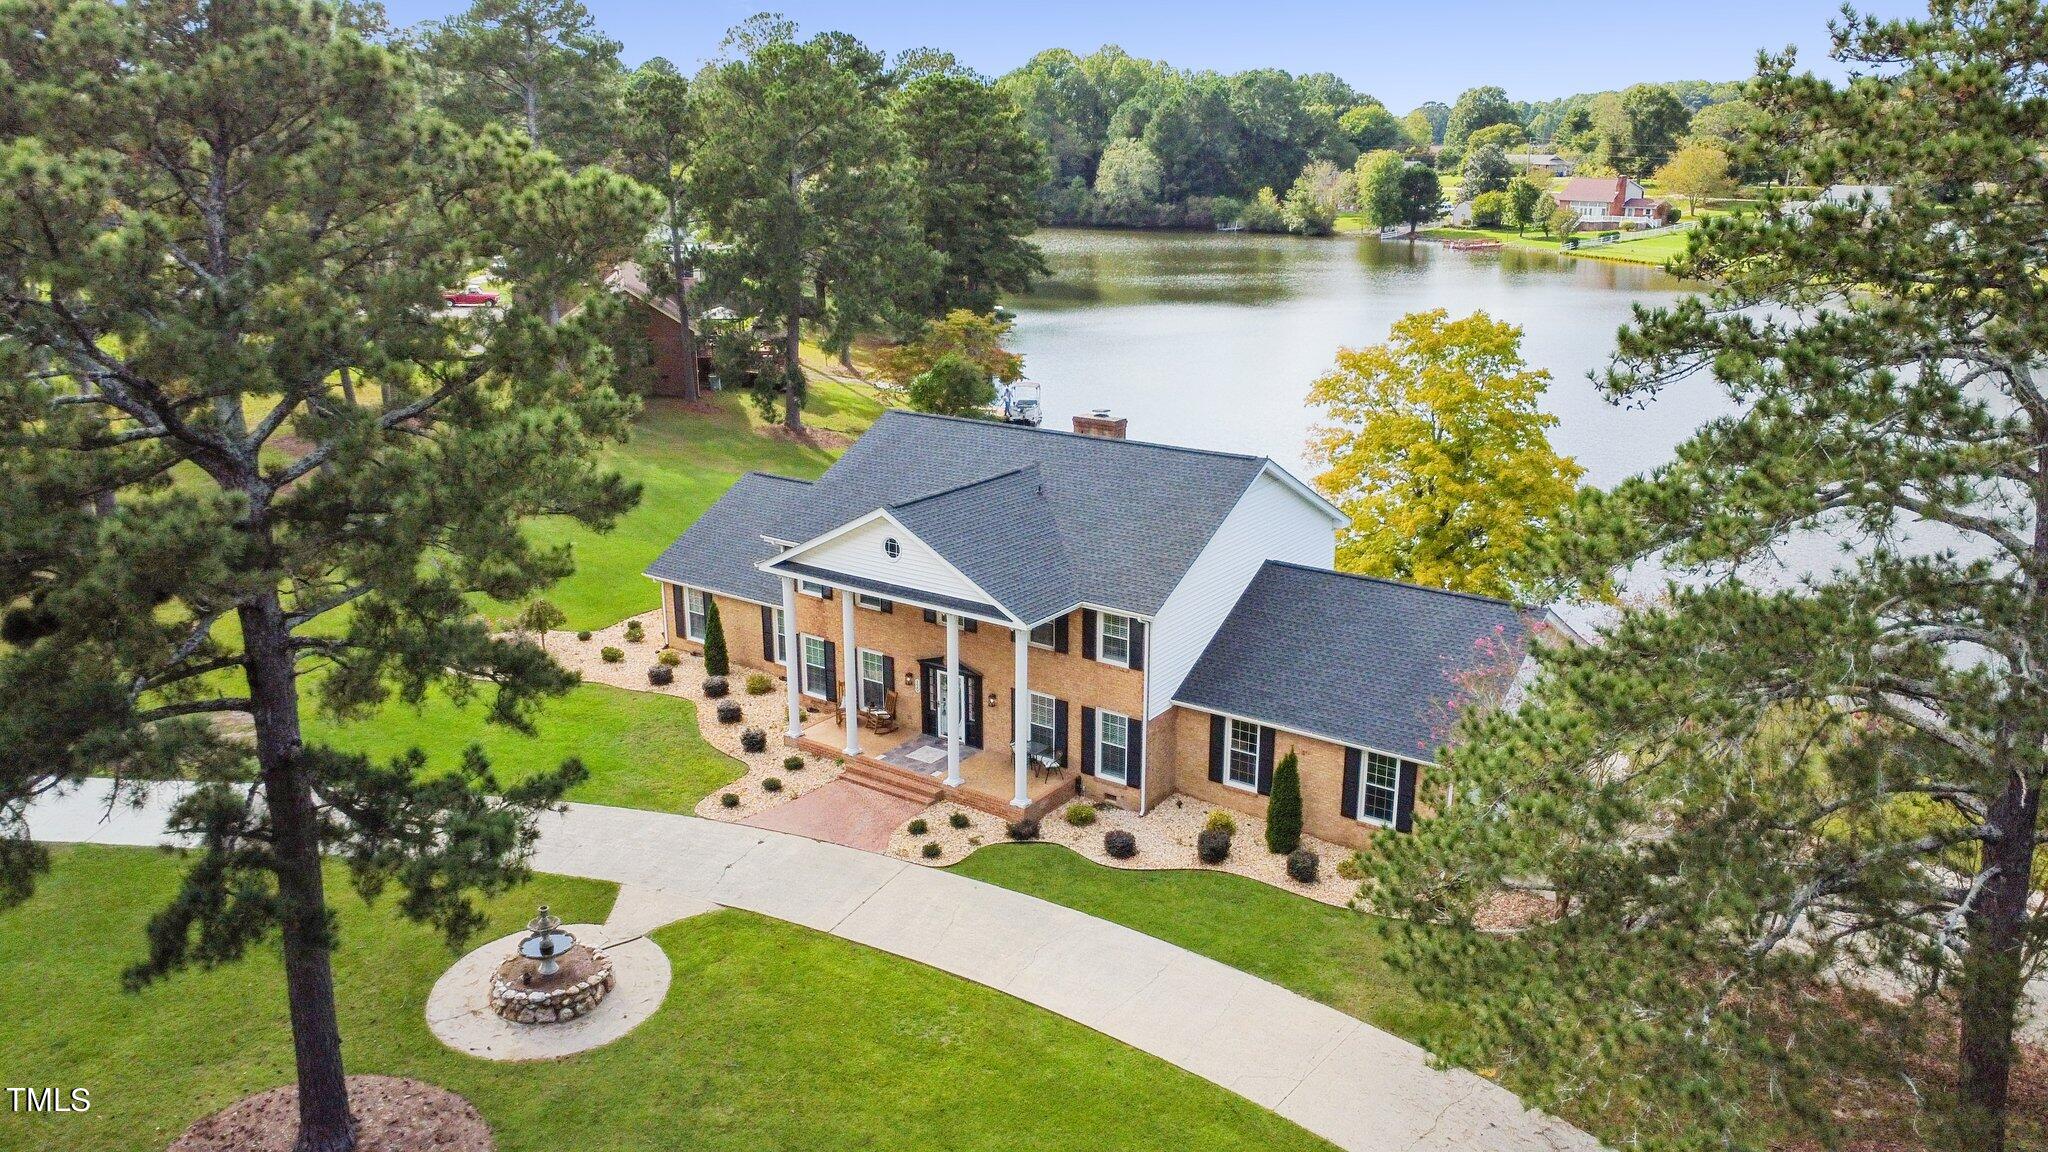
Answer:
(716, 662)
(1283, 807)
(1762, 800)
(237, 422)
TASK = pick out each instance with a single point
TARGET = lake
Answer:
(1211, 339)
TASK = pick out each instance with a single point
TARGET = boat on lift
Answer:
(1017, 403)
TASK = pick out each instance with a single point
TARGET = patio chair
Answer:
(883, 719)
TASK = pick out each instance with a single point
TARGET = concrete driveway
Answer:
(1353, 1084)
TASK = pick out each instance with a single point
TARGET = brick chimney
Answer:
(1101, 423)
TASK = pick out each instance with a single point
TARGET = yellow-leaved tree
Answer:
(1434, 445)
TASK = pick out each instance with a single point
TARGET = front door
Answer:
(935, 712)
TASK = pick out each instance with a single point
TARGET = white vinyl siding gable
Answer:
(860, 553)
(1271, 521)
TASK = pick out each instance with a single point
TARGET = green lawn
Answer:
(684, 459)
(643, 749)
(1651, 250)
(1333, 955)
(772, 1037)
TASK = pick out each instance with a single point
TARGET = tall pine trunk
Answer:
(793, 366)
(1993, 981)
(686, 337)
(324, 1121)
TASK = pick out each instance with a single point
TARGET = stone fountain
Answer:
(551, 978)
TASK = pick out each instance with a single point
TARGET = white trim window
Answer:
(1113, 638)
(1241, 756)
(1045, 635)
(1379, 787)
(696, 615)
(1044, 722)
(871, 603)
(874, 680)
(781, 636)
(813, 589)
(817, 669)
(1113, 747)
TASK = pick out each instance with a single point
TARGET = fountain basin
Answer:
(522, 994)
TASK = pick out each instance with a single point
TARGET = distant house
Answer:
(662, 323)
(1550, 162)
(1612, 202)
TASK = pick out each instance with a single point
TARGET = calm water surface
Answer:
(1212, 339)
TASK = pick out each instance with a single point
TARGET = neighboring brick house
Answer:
(1612, 202)
(1163, 619)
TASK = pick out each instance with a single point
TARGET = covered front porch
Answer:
(918, 762)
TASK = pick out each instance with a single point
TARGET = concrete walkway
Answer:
(1353, 1084)
(841, 812)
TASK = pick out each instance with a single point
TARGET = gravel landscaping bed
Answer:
(766, 712)
(1165, 838)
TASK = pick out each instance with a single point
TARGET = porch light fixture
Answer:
(991, 699)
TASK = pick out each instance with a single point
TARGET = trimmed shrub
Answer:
(1302, 863)
(751, 740)
(715, 687)
(715, 661)
(958, 820)
(611, 655)
(792, 763)
(1213, 846)
(1220, 821)
(1283, 808)
(730, 799)
(661, 675)
(670, 657)
(1025, 829)
(583, 635)
(918, 827)
(932, 850)
(635, 632)
(1080, 815)
(1351, 867)
(1120, 845)
(759, 684)
(772, 784)
(728, 712)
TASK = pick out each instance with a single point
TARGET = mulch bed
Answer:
(393, 1114)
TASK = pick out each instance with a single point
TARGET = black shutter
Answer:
(1352, 757)
(1059, 634)
(1087, 741)
(1134, 753)
(831, 672)
(1267, 738)
(888, 677)
(827, 589)
(967, 625)
(1137, 645)
(1059, 731)
(678, 627)
(931, 617)
(1088, 633)
(1218, 733)
(768, 634)
(1404, 804)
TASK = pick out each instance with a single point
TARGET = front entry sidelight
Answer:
(934, 693)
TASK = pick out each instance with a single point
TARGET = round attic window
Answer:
(891, 547)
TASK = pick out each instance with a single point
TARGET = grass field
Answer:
(684, 459)
(643, 750)
(1332, 955)
(772, 1037)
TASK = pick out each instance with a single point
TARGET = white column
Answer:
(955, 710)
(849, 697)
(794, 657)
(1022, 716)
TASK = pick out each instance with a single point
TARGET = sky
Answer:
(1402, 53)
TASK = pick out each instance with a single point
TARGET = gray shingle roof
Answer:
(720, 550)
(1367, 661)
(1114, 523)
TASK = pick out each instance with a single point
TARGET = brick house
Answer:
(1009, 615)
(1612, 202)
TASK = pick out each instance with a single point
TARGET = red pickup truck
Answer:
(469, 298)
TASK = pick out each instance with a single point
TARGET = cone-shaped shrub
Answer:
(715, 662)
(1283, 808)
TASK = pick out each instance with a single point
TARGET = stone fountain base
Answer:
(522, 995)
